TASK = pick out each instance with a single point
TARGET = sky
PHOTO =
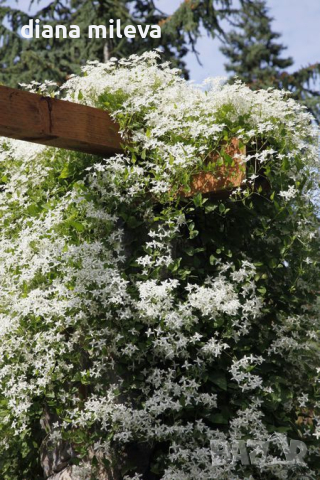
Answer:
(298, 22)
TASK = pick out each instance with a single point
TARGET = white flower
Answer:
(288, 194)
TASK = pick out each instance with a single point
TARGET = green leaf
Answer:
(212, 259)
(194, 233)
(218, 418)
(77, 225)
(222, 208)
(262, 290)
(197, 200)
(66, 172)
(210, 208)
(219, 378)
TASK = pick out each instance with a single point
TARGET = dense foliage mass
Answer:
(137, 318)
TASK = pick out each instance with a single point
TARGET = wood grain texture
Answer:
(57, 123)
(225, 178)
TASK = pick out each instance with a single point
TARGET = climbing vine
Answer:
(140, 316)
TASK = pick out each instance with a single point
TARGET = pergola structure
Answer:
(72, 126)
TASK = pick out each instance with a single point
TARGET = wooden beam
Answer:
(57, 123)
(224, 179)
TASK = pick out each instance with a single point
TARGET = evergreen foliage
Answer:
(255, 56)
(24, 60)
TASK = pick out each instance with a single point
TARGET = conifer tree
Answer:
(24, 60)
(255, 56)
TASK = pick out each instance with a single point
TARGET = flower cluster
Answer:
(134, 313)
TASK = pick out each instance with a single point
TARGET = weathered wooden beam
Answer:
(57, 123)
